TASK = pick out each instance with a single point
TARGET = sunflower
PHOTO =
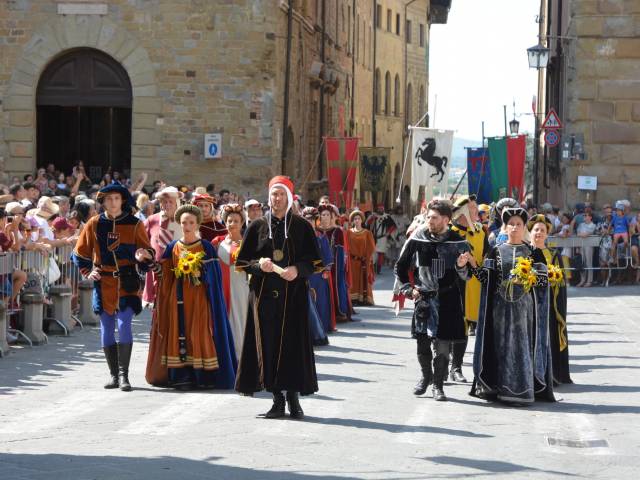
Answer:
(555, 275)
(186, 268)
(189, 257)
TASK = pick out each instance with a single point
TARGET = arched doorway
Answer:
(84, 101)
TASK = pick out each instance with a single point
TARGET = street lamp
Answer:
(514, 126)
(538, 56)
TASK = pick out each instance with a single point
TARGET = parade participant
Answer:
(162, 229)
(483, 214)
(399, 236)
(465, 224)
(280, 253)
(539, 227)
(362, 248)
(210, 227)
(191, 342)
(498, 229)
(438, 317)
(382, 227)
(512, 358)
(109, 247)
(253, 209)
(335, 236)
(320, 284)
(234, 282)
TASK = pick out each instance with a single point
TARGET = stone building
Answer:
(593, 81)
(134, 85)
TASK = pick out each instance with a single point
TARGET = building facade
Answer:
(134, 86)
(593, 81)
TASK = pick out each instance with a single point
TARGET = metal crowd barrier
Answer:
(595, 241)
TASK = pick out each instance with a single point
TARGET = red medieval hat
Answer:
(204, 198)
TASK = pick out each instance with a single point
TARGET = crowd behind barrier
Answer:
(48, 301)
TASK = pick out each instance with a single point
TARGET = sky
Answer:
(478, 63)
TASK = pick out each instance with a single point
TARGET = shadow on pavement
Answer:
(77, 467)
(327, 377)
(486, 466)
(335, 348)
(558, 407)
(393, 427)
(32, 368)
(340, 360)
(584, 388)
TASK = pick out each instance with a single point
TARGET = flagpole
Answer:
(406, 154)
(484, 164)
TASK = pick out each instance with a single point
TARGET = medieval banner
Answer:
(430, 154)
(375, 165)
(342, 164)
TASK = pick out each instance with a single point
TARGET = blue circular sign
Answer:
(213, 149)
(551, 138)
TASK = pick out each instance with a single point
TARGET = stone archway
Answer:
(53, 39)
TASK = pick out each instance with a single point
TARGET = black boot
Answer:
(124, 357)
(457, 355)
(427, 375)
(277, 409)
(440, 370)
(438, 393)
(295, 410)
(111, 354)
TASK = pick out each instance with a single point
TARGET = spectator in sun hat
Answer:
(254, 210)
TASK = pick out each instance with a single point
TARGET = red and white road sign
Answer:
(552, 121)
(551, 138)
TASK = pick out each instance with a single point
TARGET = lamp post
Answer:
(538, 57)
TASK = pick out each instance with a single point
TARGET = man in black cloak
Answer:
(438, 318)
(279, 252)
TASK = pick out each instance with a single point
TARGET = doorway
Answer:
(84, 104)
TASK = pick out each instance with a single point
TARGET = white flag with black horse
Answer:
(431, 161)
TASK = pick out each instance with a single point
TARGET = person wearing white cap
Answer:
(280, 253)
(253, 209)
(42, 215)
(162, 229)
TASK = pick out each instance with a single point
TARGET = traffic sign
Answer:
(552, 121)
(213, 145)
(551, 138)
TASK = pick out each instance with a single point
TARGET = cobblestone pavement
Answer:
(56, 420)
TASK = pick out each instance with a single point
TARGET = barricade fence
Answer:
(596, 252)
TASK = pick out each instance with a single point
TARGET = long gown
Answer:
(512, 358)
(210, 359)
(235, 287)
(339, 287)
(558, 323)
(320, 287)
(362, 247)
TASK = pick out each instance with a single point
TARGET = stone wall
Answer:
(196, 67)
(603, 97)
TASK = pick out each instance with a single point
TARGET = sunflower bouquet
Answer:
(234, 255)
(555, 275)
(523, 274)
(189, 266)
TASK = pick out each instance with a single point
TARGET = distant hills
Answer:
(459, 153)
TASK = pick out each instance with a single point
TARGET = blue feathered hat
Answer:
(127, 199)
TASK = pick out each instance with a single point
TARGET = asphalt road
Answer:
(56, 420)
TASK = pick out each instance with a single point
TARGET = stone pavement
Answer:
(57, 422)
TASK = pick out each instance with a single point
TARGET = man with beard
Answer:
(438, 317)
(162, 229)
(279, 251)
(382, 226)
(210, 228)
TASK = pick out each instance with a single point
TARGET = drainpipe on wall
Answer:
(285, 115)
(322, 59)
(353, 67)
(375, 87)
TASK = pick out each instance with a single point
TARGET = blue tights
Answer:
(108, 327)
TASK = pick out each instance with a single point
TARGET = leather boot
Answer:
(438, 393)
(295, 410)
(111, 354)
(457, 355)
(124, 357)
(440, 370)
(427, 375)
(277, 409)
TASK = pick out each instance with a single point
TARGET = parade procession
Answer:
(297, 240)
